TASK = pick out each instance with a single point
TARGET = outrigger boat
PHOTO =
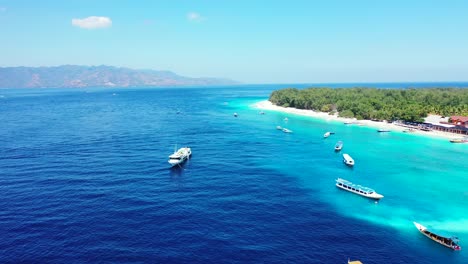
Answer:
(459, 140)
(450, 242)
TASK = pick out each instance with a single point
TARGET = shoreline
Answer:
(267, 105)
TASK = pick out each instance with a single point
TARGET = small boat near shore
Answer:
(410, 130)
(450, 242)
(285, 130)
(357, 189)
(279, 128)
(327, 134)
(338, 145)
(383, 130)
(179, 156)
(348, 160)
(459, 140)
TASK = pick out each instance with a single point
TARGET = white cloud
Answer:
(195, 17)
(92, 22)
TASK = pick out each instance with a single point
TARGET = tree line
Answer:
(377, 104)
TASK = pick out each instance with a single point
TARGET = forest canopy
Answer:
(377, 104)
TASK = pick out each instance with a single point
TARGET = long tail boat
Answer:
(450, 242)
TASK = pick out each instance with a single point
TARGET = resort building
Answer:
(459, 120)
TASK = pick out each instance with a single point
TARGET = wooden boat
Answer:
(459, 140)
(450, 242)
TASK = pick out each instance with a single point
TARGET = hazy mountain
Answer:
(72, 76)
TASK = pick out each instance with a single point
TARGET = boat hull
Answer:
(180, 156)
(373, 197)
(447, 242)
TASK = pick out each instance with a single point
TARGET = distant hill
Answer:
(73, 76)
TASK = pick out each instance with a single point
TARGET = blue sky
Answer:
(250, 41)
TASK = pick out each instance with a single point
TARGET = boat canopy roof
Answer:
(355, 186)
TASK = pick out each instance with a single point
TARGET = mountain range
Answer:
(74, 76)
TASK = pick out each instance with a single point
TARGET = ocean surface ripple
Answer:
(84, 178)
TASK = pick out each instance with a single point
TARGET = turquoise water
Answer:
(423, 178)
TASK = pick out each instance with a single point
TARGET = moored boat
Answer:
(235, 115)
(179, 156)
(327, 134)
(348, 160)
(279, 128)
(357, 189)
(450, 242)
(383, 130)
(459, 140)
(285, 130)
(339, 145)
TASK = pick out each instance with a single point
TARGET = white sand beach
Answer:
(267, 105)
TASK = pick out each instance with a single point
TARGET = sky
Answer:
(261, 41)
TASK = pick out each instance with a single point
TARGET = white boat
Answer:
(459, 140)
(286, 119)
(235, 114)
(327, 134)
(279, 128)
(383, 130)
(348, 160)
(339, 145)
(285, 130)
(179, 156)
(450, 242)
(357, 189)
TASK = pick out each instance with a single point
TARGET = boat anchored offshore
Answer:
(348, 160)
(339, 145)
(279, 128)
(179, 156)
(450, 242)
(285, 130)
(327, 134)
(357, 189)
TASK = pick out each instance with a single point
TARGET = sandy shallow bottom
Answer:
(267, 105)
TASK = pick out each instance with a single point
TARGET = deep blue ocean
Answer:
(84, 178)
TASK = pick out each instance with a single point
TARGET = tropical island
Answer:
(411, 105)
(438, 111)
